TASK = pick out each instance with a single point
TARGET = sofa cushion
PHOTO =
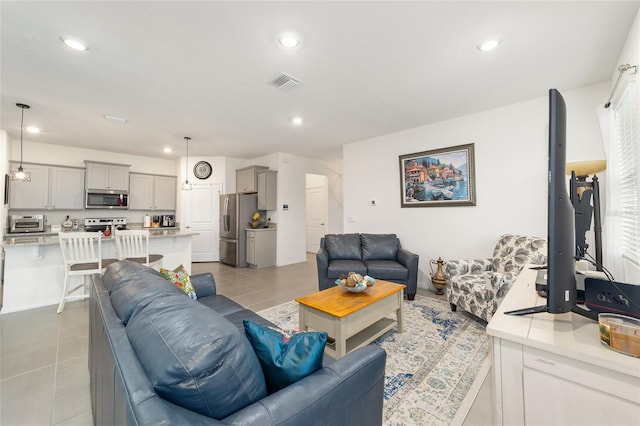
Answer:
(221, 304)
(285, 357)
(137, 289)
(343, 246)
(386, 270)
(124, 272)
(209, 368)
(379, 246)
(337, 267)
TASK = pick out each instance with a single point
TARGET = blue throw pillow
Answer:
(285, 357)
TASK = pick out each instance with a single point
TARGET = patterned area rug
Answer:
(431, 368)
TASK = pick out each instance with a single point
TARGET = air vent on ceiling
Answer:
(286, 82)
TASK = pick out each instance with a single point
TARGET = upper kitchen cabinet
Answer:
(107, 176)
(51, 188)
(247, 179)
(152, 192)
(267, 190)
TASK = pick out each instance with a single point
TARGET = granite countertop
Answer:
(43, 239)
(260, 229)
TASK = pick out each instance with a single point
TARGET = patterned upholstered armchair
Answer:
(478, 286)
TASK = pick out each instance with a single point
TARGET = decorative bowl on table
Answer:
(359, 287)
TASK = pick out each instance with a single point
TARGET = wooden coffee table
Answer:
(352, 320)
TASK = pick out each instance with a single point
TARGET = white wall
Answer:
(291, 223)
(35, 152)
(511, 149)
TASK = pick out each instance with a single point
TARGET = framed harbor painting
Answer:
(438, 178)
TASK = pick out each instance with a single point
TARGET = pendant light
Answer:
(186, 186)
(20, 175)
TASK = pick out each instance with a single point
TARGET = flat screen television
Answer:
(561, 279)
(600, 295)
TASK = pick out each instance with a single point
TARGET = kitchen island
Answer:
(34, 268)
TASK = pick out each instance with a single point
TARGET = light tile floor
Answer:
(44, 378)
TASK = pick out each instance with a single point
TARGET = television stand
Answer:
(528, 311)
(543, 308)
(553, 370)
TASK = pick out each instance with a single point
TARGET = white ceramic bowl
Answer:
(359, 288)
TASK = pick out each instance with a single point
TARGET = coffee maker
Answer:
(168, 221)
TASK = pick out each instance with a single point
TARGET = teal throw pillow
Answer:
(285, 357)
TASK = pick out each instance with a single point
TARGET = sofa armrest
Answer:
(349, 391)
(204, 284)
(410, 261)
(501, 282)
(467, 266)
(322, 261)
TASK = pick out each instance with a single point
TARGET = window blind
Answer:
(626, 122)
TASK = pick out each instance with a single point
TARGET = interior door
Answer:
(204, 220)
(316, 216)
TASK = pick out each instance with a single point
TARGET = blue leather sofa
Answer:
(158, 357)
(378, 255)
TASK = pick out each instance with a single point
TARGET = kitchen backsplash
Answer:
(55, 217)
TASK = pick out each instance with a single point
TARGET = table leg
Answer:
(302, 318)
(341, 340)
(399, 317)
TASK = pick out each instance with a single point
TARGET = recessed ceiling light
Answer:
(167, 150)
(33, 129)
(296, 120)
(289, 40)
(114, 118)
(489, 44)
(74, 43)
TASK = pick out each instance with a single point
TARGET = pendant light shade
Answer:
(186, 186)
(20, 175)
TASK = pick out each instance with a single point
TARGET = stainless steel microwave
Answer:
(107, 200)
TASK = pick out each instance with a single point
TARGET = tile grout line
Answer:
(55, 370)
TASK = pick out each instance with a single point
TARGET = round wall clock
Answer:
(202, 170)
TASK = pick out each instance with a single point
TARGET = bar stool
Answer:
(133, 245)
(82, 254)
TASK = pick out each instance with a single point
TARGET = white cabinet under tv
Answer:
(553, 370)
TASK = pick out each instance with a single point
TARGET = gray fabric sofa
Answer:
(158, 357)
(378, 255)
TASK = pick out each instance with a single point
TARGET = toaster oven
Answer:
(19, 224)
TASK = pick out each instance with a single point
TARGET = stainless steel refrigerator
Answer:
(235, 214)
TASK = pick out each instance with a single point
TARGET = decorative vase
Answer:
(437, 278)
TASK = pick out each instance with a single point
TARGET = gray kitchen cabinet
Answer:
(152, 192)
(66, 188)
(107, 176)
(30, 195)
(50, 188)
(267, 190)
(247, 179)
(261, 247)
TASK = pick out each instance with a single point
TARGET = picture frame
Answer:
(442, 177)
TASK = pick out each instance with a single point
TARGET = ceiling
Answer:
(201, 69)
